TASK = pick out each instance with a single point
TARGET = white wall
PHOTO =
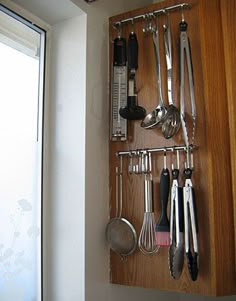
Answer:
(64, 252)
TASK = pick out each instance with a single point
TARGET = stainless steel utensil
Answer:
(191, 226)
(147, 240)
(120, 233)
(172, 121)
(185, 50)
(156, 117)
(190, 214)
(176, 250)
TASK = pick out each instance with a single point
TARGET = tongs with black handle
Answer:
(176, 250)
(190, 214)
(191, 225)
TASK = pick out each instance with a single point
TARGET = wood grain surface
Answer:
(228, 15)
(212, 173)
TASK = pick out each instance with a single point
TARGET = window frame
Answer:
(20, 15)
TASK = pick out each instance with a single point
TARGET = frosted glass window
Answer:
(21, 102)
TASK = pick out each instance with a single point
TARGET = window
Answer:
(22, 51)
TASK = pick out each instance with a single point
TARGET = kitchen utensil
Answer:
(119, 89)
(172, 121)
(156, 117)
(190, 214)
(120, 233)
(176, 250)
(132, 111)
(131, 165)
(147, 239)
(185, 50)
(191, 226)
(163, 225)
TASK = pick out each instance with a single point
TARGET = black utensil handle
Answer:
(133, 51)
(181, 209)
(164, 193)
(192, 265)
(120, 52)
(132, 101)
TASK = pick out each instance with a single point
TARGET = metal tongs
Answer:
(186, 51)
(190, 215)
(191, 226)
(176, 250)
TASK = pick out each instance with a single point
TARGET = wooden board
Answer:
(211, 177)
(228, 13)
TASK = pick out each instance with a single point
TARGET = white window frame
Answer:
(29, 18)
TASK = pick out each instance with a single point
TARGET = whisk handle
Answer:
(148, 200)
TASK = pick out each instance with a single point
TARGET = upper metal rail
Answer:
(152, 13)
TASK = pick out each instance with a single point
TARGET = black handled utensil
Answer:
(132, 111)
(191, 226)
(176, 250)
(163, 225)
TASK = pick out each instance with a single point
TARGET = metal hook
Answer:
(150, 26)
(130, 167)
(121, 165)
(145, 29)
(150, 162)
(177, 159)
(119, 30)
(182, 13)
(132, 25)
(172, 165)
(191, 158)
(165, 159)
(187, 163)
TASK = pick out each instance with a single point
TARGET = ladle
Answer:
(172, 120)
(157, 116)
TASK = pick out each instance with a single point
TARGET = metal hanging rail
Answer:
(153, 13)
(156, 150)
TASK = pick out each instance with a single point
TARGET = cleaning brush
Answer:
(163, 224)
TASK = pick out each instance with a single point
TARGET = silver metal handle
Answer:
(155, 36)
(189, 217)
(185, 48)
(174, 214)
(148, 205)
(168, 55)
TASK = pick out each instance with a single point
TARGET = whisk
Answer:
(147, 238)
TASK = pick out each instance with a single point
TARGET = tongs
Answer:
(185, 50)
(191, 226)
(176, 250)
(190, 216)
